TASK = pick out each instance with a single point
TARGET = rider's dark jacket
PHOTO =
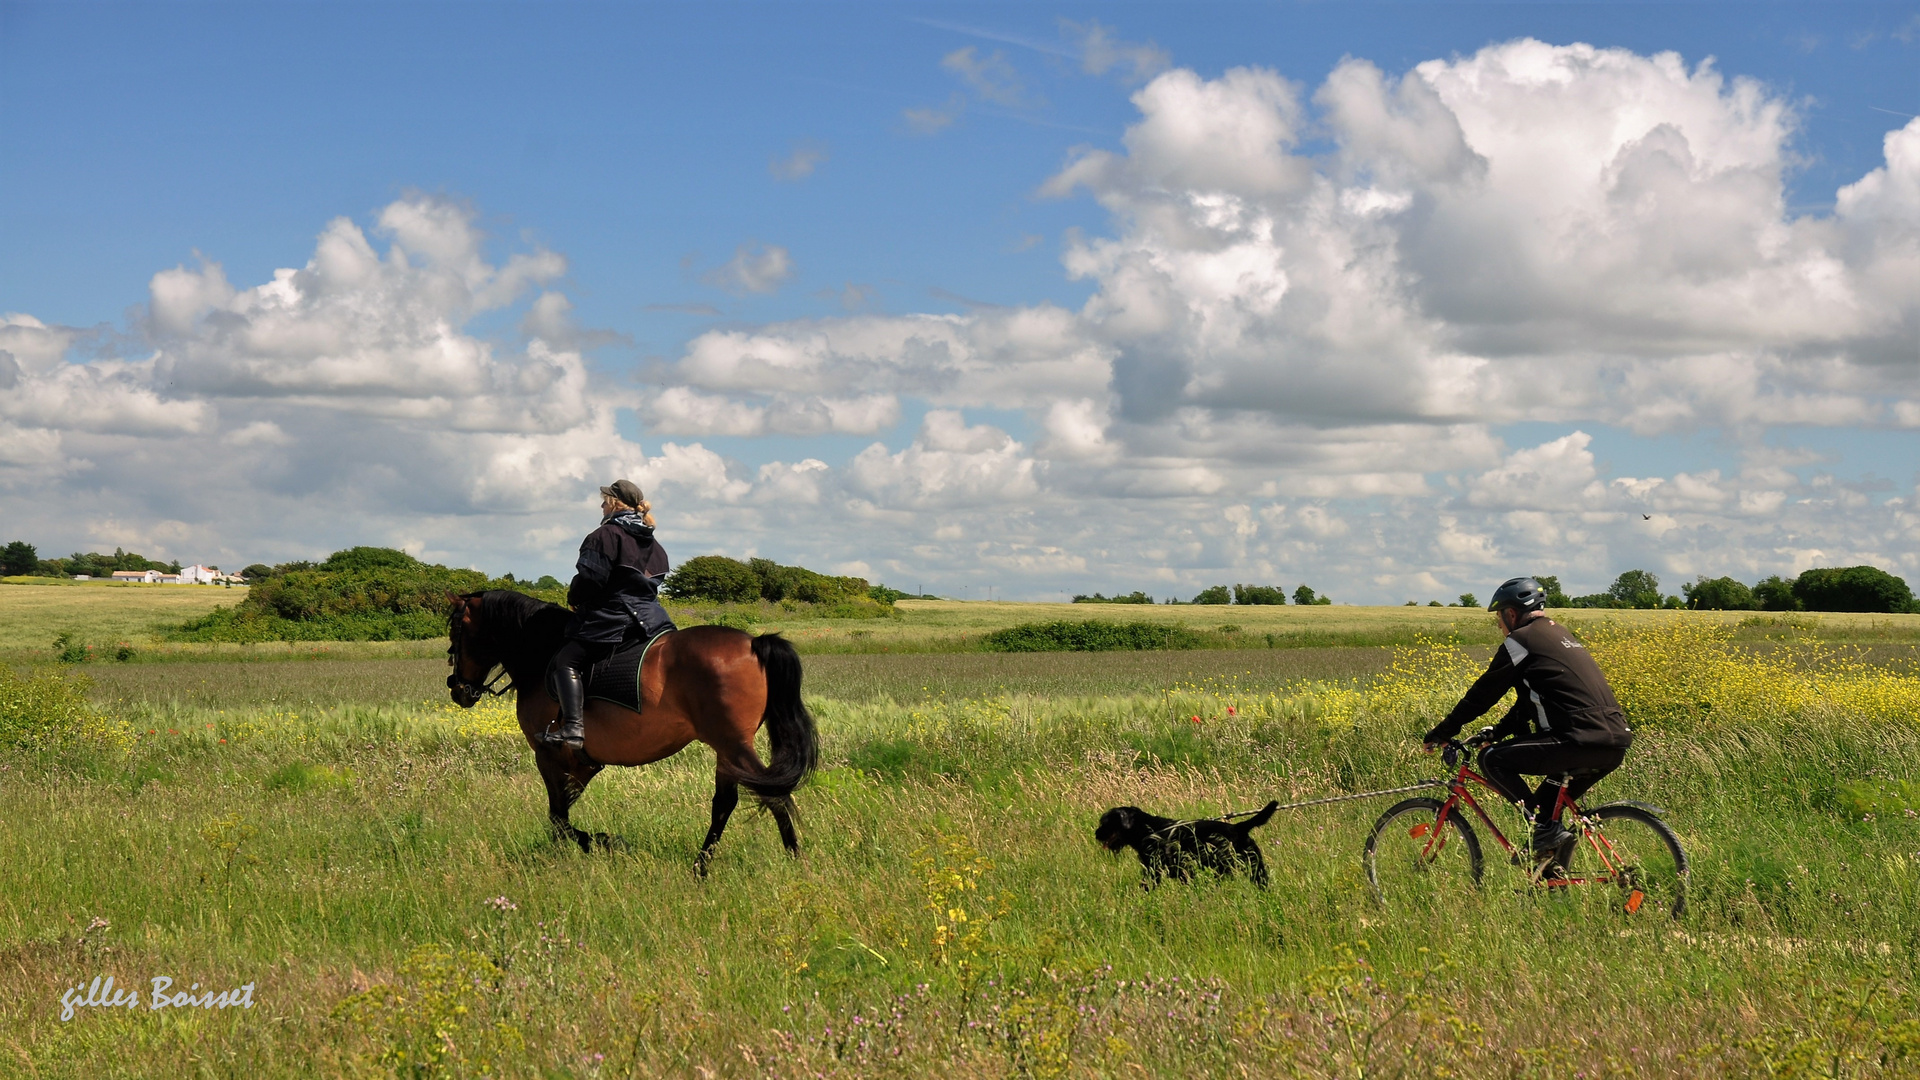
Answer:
(616, 582)
(1561, 691)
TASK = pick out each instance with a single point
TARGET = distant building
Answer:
(198, 575)
(150, 577)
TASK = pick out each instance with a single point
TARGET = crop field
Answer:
(375, 863)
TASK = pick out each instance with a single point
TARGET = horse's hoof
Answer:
(608, 842)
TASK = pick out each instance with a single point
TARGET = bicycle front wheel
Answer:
(1629, 848)
(1411, 864)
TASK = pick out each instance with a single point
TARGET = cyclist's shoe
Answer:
(1549, 837)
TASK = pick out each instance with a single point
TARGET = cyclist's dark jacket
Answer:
(1561, 691)
(617, 581)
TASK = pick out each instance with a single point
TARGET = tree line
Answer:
(1844, 588)
(1219, 594)
(21, 559)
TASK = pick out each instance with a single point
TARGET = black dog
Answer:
(1173, 847)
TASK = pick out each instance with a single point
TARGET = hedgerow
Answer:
(1088, 636)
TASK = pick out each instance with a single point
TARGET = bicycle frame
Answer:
(1613, 872)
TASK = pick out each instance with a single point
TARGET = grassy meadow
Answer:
(375, 862)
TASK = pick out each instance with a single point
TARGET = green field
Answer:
(375, 862)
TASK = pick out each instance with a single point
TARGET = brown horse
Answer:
(710, 683)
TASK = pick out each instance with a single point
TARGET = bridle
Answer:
(464, 687)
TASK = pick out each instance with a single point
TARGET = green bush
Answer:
(1258, 594)
(1718, 594)
(716, 579)
(1852, 588)
(1134, 597)
(360, 594)
(1089, 636)
(46, 709)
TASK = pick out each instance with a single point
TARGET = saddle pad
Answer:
(617, 678)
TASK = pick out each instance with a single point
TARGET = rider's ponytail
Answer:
(646, 512)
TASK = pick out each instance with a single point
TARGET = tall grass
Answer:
(383, 875)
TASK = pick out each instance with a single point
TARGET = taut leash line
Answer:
(1340, 798)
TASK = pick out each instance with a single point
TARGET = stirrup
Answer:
(571, 736)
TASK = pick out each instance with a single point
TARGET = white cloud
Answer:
(1101, 52)
(799, 163)
(991, 76)
(930, 119)
(752, 270)
(1291, 365)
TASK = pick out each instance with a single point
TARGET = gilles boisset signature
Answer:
(102, 995)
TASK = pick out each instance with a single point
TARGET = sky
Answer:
(1021, 300)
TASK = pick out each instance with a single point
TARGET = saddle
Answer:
(617, 678)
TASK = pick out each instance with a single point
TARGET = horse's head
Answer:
(468, 654)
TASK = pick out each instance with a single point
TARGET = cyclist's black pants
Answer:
(1550, 756)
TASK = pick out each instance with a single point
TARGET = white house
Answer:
(198, 575)
(147, 576)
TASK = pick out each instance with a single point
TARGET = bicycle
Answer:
(1428, 846)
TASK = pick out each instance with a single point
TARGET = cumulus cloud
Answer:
(753, 270)
(1313, 310)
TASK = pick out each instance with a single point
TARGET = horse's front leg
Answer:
(726, 796)
(564, 787)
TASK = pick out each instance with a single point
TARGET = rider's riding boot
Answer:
(569, 688)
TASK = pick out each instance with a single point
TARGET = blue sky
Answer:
(714, 185)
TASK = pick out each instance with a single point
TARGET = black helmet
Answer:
(1521, 594)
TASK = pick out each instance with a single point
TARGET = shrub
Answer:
(372, 558)
(1088, 636)
(1258, 594)
(46, 709)
(1718, 594)
(1852, 588)
(716, 579)
(361, 594)
(1134, 597)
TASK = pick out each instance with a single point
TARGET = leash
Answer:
(1337, 799)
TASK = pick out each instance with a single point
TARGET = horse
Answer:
(712, 683)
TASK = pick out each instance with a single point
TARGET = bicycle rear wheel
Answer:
(1407, 865)
(1630, 849)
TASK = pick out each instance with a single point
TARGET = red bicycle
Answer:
(1427, 849)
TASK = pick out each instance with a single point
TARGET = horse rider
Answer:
(614, 593)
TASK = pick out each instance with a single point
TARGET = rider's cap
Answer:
(626, 491)
(1522, 593)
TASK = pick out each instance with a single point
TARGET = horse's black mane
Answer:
(525, 631)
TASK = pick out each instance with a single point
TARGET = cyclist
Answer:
(1564, 721)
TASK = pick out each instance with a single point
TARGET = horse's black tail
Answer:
(796, 746)
(1261, 818)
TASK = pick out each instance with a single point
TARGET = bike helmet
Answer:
(1521, 594)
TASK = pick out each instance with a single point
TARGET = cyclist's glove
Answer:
(1437, 736)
